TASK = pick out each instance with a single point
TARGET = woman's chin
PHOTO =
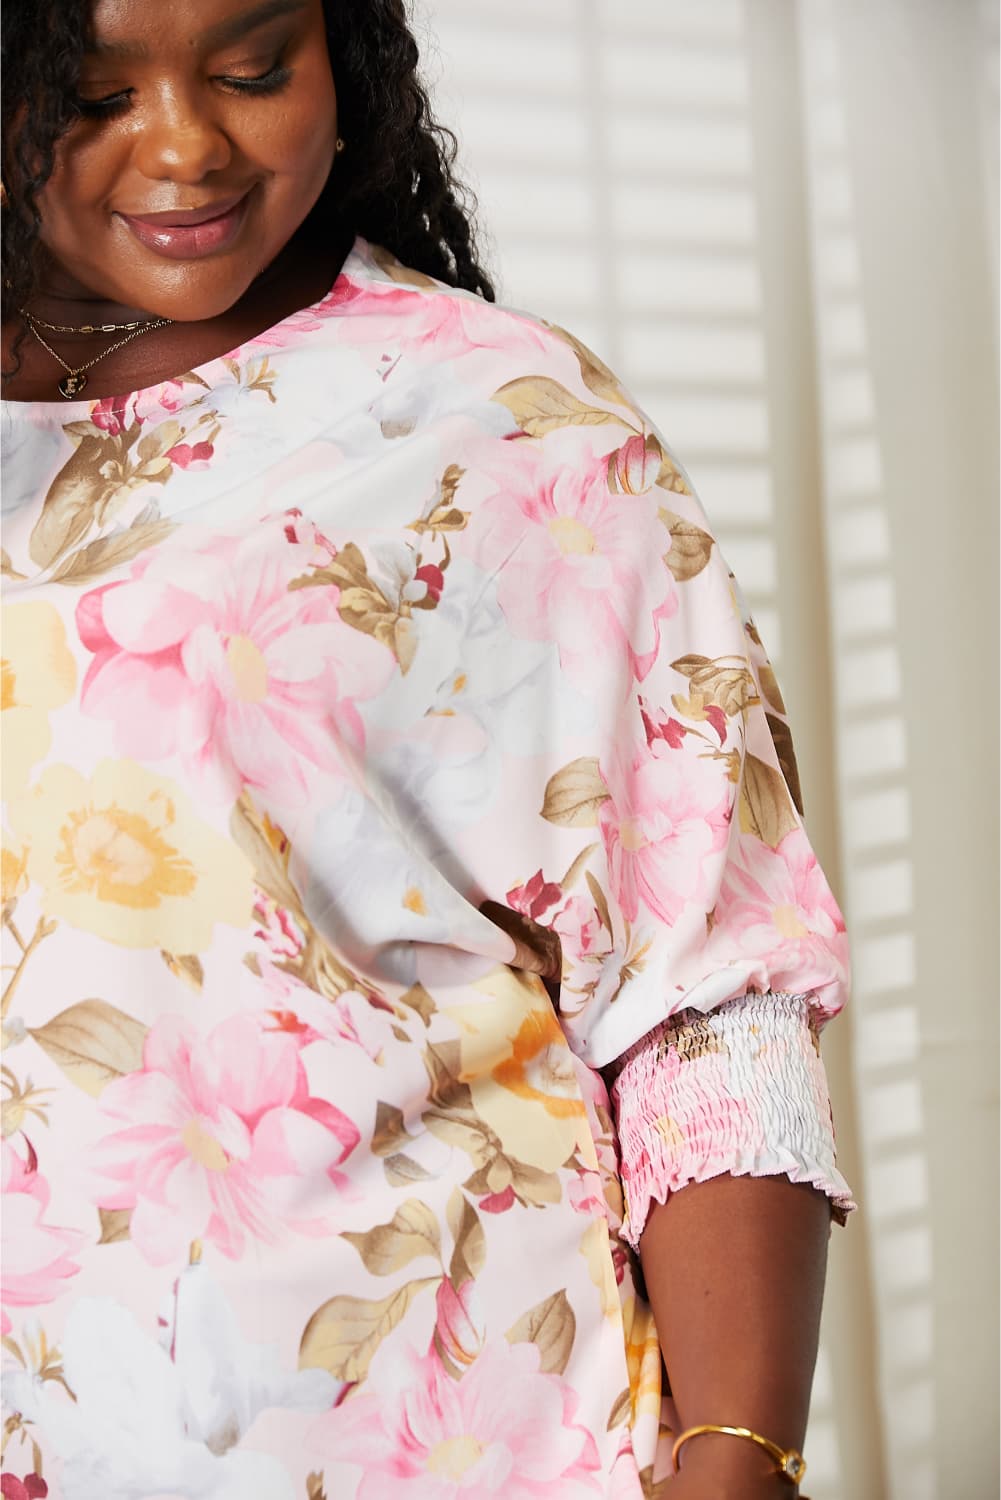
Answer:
(199, 301)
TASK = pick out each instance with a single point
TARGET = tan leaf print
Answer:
(540, 405)
(671, 477)
(766, 809)
(185, 966)
(691, 547)
(93, 1043)
(600, 903)
(470, 1250)
(594, 372)
(574, 794)
(724, 682)
(362, 603)
(442, 515)
(114, 1225)
(412, 1232)
(621, 1409)
(76, 497)
(343, 1334)
(551, 1327)
(390, 1132)
(418, 999)
(785, 750)
(89, 562)
(402, 1171)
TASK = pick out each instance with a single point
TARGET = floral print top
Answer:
(356, 686)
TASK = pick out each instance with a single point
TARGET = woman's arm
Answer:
(735, 1270)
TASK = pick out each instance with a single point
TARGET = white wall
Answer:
(777, 219)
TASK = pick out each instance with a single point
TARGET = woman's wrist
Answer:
(717, 1466)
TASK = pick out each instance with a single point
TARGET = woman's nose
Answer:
(182, 142)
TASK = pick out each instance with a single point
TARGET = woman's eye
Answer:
(111, 104)
(263, 83)
(270, 82)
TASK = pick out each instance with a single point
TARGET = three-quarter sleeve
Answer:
(651, 810)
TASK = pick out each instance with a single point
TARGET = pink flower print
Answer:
(577, 564)
(585, 1194)
(670, 731)
(191, 455)
(634, 467)
(218, 1138)
(158, 402)
(37, 1257)
(498, 1203)
(206, 653)
(276, 928)
(459, 1325)
(660, 825)
(114, 413)
(447, 327)
(433, 580)
(302, 1013)
(346, 298)
(535, 897)
(503, 1430)
(776, 905)
(31, 1487)
(579, 927)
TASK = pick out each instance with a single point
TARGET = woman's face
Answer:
(208, 132)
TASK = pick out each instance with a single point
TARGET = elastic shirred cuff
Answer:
(739, 1090)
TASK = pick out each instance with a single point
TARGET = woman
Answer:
(372, 682)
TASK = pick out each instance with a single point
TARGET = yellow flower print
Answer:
(124, 856)
(13, 872)
(594, 1247)
(37, 673)
(520, 1071)
(643, 1357)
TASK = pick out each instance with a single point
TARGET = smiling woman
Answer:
(193, 182)
(391, 772)
(199, 152)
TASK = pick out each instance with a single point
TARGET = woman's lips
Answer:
(190, 234)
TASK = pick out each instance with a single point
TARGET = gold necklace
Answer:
(74, 381)
(88, 327)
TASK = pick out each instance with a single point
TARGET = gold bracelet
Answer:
(788, 1461)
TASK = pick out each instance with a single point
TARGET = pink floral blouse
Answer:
(354, 685)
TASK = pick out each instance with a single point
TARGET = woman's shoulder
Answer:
(460, 321)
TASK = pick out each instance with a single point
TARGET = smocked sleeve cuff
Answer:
(740, 1090)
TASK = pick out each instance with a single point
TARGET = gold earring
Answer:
(338, 145)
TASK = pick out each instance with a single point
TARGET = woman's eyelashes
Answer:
(269, 82)
(102, 109)
(263, 83)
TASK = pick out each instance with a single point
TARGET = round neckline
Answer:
(80, 409)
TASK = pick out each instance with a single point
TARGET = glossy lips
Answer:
(190, 234)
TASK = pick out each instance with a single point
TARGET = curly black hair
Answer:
(394, 185)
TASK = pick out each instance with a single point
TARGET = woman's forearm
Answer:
(735, 1273)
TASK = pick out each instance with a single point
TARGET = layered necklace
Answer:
(75, 379)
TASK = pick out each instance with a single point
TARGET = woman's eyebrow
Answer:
(220, 35)
(239, 26)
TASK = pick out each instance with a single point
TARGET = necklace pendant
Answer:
(72, 384)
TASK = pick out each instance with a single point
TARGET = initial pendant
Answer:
(71, 385)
